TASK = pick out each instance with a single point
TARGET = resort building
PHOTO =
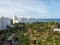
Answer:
(57, 29)
(23, 19)
(4, 22)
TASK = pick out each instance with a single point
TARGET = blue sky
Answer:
(32, 8)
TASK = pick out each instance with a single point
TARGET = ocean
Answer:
(47, 20)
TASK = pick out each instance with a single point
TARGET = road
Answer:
(10, 37)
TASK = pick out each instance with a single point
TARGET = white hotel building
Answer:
(4, 21)
(23, 19)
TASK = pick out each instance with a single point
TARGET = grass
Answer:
(32, 44)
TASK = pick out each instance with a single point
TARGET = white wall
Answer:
(22, 19)
(4, 22)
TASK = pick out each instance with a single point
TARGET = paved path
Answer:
(10, 37)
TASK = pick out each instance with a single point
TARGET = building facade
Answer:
(4, 22)
(23, 19)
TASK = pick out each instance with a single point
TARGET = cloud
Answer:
(23, 7)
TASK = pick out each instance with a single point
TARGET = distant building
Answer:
(57, 29)
(4, 22)
(23, 19)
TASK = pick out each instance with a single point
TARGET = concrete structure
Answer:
(23, 19)
(57, 29)
(4, 21)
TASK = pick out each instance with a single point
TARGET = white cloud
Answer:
(14, 6)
